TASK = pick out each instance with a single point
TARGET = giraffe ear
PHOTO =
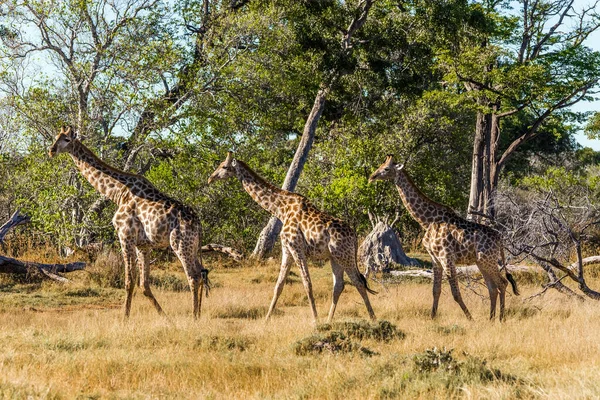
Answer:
(399, 167)
(70, 132)
(234, 163)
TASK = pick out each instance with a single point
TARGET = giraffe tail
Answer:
(363, 280)
(509, 276)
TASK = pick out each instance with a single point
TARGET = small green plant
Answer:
(472, 369)
(219, 343)
(383, 331)
(450, 330)
(241, 312)
(435, 360)
(334, 342)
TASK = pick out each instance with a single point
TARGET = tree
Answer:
(548, 226)
(334, 72)
(110, 68)
(532, 63)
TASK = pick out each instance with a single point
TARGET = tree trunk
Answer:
(476, 191)
(484, 173)
(269, 234)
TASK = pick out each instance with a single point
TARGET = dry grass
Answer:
(70, 342)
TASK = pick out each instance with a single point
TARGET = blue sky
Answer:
(594, 42)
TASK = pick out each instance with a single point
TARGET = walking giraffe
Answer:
(145, 219)
(450, 240)
(306, 233)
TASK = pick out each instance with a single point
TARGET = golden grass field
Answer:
(69, 341)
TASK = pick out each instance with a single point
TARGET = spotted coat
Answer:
(145, 219)
(451, 240)
(306, 233)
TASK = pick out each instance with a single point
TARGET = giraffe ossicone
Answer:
(145, 219)
(450, 240)
(307, 233)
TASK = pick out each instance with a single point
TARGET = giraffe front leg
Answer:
(128, 251)
(296, 249)
(286, 263)
(452, 278)
(437, 288)
(437, 284)
(144, 268)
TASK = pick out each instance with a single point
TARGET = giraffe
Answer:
(306, 233)
(145, 219)
(450, 240)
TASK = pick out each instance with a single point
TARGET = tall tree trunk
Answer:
(477, 169)
(484, 173)
(269, 234)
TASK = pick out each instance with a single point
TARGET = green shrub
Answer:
(383, 331)
(333, 342)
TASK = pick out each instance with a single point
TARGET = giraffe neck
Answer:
(266, 195)
(107, 180)
(424, 210)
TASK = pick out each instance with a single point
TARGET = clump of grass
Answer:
(220, 343)
(435, 360)
(108, 270)
(241, 312)
(82, 292)
(383, 331)
(450, 330)
(71, 344)
(170, 281)
(521, 312)
(334, 342)
(472, 369)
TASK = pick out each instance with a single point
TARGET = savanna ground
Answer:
(69, 341)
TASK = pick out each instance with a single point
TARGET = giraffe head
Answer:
(225, 170)
(387, 170)
(63, 142)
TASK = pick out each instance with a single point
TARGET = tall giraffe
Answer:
(306, 233)
(450, 240)
(145, 219)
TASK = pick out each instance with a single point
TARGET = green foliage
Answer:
(381, 330)
(400, 90)
(333, 342)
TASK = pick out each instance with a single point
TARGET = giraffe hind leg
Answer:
(286, 263)
(191, 266)
(338, 287)
(361, 286)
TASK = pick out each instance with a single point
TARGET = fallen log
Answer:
(465, 271)
(231, 252)
(13, 266)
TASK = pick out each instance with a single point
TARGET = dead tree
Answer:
(382, 248)
(550, 229)
(15, 220)
(13, 266)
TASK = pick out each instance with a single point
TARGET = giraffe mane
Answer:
(427, 198)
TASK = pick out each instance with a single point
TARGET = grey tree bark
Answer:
(381, 248)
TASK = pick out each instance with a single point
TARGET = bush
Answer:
(383, 331)
(334, 342)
